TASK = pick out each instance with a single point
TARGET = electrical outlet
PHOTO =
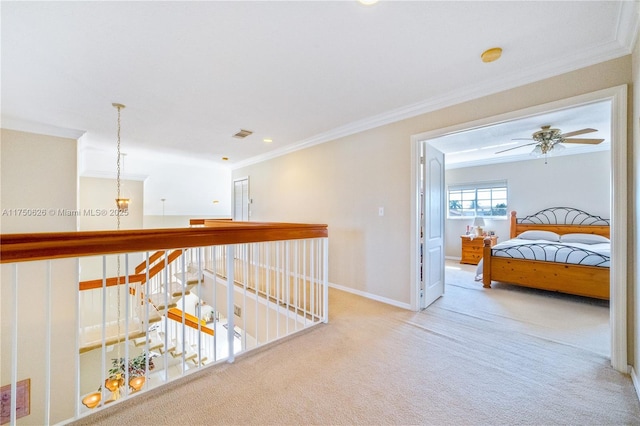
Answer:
(237, 311)
(380, 211)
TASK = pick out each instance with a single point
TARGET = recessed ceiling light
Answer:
(368, 2)
(267, 140)
(225, 158)
(492, 54)
(215, 201)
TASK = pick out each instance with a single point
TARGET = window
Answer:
(488, 199)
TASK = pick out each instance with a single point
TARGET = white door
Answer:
(241, 200)
(432, 224)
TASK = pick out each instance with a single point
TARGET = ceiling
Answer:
(483, 145)
(192, 74)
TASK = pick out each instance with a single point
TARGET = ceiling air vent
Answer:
(242, 134)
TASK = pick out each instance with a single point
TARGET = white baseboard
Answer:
(372, 296)
(636, 381)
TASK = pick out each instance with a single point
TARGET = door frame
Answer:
(233, 196)
(618, 162)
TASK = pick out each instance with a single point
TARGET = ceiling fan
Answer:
(549, 139)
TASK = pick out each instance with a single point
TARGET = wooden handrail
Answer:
(136, 278)
(155, 270)
(57, 245)
(155, 256)
(189, 320)
(111, 281)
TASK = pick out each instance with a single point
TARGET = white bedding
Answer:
(574, 253)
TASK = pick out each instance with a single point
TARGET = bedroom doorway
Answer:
(616, 97)
(241, 201)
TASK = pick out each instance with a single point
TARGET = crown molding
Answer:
(21, 125)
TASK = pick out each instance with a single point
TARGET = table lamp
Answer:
(478, 224)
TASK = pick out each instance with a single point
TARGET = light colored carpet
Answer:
(476, 357)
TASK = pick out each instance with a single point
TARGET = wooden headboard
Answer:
(561, 220)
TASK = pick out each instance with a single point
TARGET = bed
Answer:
(558, 249)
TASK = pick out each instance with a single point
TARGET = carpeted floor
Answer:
(503, 356)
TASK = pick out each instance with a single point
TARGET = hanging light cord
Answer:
(119, 107)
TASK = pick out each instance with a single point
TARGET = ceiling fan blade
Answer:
(587, 141)
(522, 139)
(577, 132)
(516, 147)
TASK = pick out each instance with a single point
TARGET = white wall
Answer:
(189, 189)
(40, 172)
(159, 221)
(579, 181)
(263, 329)
(188, 185)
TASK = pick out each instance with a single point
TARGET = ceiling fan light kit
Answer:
(549, 140)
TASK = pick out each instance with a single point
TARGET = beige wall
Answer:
(579, 181)
(98, 210)
(343, 182)
(40, 172)
(39, 175)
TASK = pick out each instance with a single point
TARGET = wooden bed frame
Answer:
(581, 280)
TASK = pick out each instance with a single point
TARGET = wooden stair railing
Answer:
(158, 267)
(26, 247)
(143, 265)
(189, 320)
(138, 277)
(97, 283)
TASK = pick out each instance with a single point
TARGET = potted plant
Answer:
(136, 370)
(136, 366)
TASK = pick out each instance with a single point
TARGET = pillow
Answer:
(540, 235)
(584, 238)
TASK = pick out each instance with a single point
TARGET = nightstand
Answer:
(472, 248)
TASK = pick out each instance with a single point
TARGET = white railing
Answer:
(67, 350)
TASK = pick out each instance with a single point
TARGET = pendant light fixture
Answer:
(113, 384)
